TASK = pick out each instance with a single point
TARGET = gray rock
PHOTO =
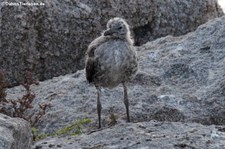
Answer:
(15, 133)
(191, 70)
(145, 135)
(181, 79)
(51, 40)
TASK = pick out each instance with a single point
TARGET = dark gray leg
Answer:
(126, 101)
(99, 107)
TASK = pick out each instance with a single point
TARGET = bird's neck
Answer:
(126, 39)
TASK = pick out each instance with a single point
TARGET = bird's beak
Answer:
(108, 32)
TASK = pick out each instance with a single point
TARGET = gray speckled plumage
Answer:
(111, 59)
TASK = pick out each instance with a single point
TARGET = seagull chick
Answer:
(111, 59)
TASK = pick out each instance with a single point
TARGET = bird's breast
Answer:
(114, 59)
(114, 55)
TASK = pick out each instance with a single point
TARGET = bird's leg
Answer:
(99, 107)
(126, 101)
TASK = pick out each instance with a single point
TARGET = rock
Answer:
(147, 135)
(51, 39)
(181, 79)
(15, 133)
(191, 70)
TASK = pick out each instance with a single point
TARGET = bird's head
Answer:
(118, 28)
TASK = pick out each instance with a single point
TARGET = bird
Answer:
(111, 59)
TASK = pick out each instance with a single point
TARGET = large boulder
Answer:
(51, 39)
(15, 133)
(191, 73)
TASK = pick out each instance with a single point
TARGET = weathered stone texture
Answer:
(15, 133)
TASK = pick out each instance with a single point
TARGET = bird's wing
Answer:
(90, 69)
(91, 63)
(94, 44)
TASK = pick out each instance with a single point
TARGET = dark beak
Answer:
(108, 32)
